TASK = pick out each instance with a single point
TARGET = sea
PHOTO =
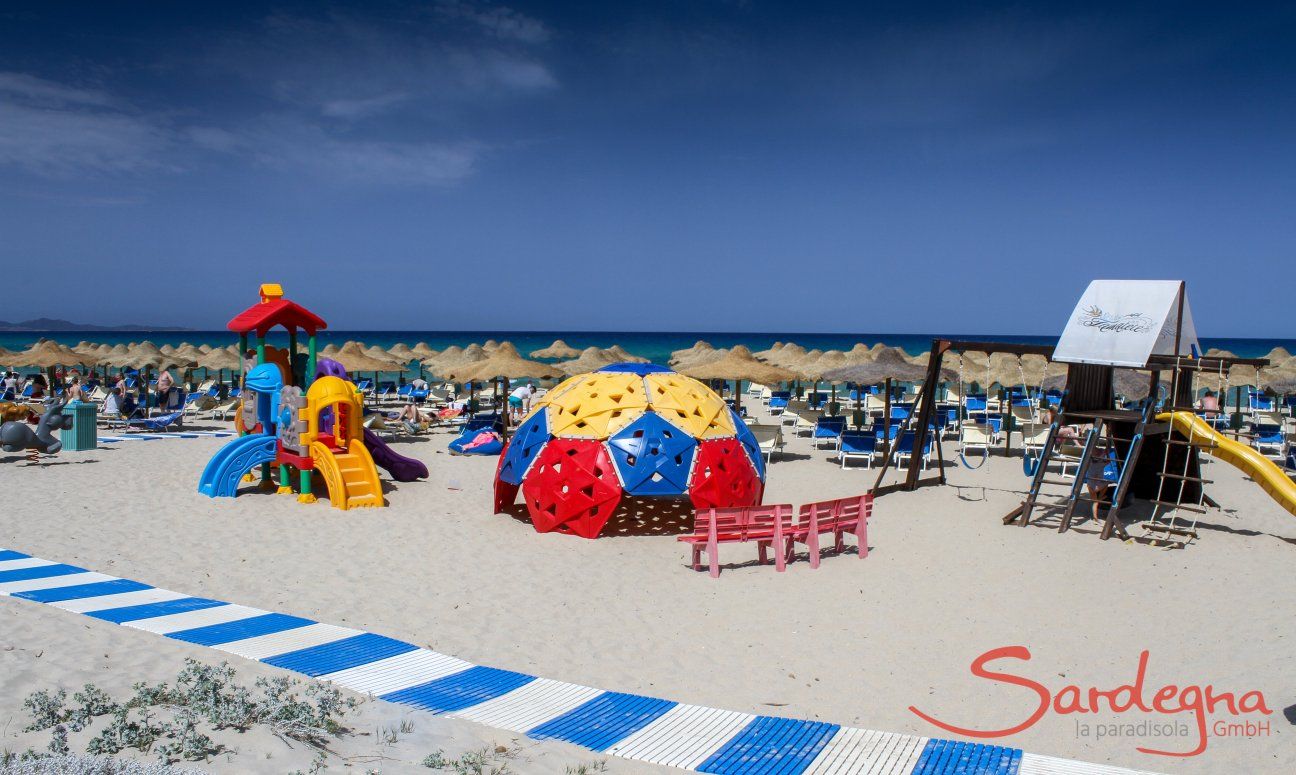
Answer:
(655, 346)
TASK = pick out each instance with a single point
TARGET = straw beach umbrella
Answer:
(559, 350)
(737, 364)
(504, 363)
(356, 359)
(699, 353)
(423, 351)
(888, 365)
(595, 358)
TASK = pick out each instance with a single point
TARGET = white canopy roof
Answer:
(1124, 322)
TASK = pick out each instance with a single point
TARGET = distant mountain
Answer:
(54, 324)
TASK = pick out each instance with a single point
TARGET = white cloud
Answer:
(497, 21)
(57, 130)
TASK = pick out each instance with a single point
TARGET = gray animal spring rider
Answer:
(19, 436)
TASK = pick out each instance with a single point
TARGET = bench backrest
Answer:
(743, 523)
(833, 515)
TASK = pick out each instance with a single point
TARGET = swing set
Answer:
(1151, 452)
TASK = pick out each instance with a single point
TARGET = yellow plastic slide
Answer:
(1261, 469)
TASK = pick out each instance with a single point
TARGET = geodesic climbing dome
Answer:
(627, 429)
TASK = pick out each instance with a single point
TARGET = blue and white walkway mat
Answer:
(150, 436)
(646, 729)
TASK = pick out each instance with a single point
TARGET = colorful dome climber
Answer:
(627, 429)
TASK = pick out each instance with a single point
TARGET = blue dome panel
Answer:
(528, 440)
(642, 369)
(752, 447)
(653, 456)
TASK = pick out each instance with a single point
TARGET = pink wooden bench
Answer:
(766, 525)
(838, 517)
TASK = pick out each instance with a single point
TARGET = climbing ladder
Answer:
(1187, 478)
(1095, 444)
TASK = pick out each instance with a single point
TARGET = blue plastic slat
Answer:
(460, 690)
(153, 610)
(340, 655)
(603, 721)
(228, 632)
(59, 594)
(773, 745)
(9, 554)
(953, 757)
(42, 572)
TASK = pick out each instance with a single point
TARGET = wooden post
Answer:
(926, 408)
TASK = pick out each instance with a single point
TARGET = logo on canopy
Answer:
(1135, 322)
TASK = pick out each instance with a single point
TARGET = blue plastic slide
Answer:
(220, 479)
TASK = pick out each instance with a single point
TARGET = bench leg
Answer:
(812, 545)
(861, 536)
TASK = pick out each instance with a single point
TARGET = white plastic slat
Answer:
(86, 605)
(530, 705)
(53, 582)
(25, 562)
(863, 750)
(188, 620)
(276, 643)
(684, 736)
(1034, 764)
(399, 672)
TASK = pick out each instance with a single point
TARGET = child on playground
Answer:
(1209, 404)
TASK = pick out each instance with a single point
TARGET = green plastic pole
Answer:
(311, 360)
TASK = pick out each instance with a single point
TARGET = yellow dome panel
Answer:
(599, 405)
(689, 404)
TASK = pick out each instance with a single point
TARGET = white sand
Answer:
(855, 642)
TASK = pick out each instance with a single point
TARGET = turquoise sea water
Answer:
(654, 346)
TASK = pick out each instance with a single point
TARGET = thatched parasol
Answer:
(355, 359)
(47, 354)
(699, 353)
(738, 365)
(559, 350)
(624, 356)
(402, 352)
(220, 359)
(422, 351)
(503, 362)
(595, 358)
(454, 357)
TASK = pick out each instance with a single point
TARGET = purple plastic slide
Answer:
(401, 468)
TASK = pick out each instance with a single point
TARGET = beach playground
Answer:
(734, 562)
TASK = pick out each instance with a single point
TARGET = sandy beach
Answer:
(854, 642)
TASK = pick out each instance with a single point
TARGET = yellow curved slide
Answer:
(350, 475)
(1261, 469)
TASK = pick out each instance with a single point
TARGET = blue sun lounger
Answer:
(857, 444)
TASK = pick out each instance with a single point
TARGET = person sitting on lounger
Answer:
(412, 419)
(1209, 404)
(1065, 433)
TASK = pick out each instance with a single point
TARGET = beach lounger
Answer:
(858, 445)
(1269, 437)
(155, 424)
(778, 401)
(801, 426)
(223, 409)
(1033, 436)
(905, 448)
(976, 436)
(829, 429)
(769, 438)
(765, 525)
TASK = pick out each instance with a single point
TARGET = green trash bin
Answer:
(83, 434)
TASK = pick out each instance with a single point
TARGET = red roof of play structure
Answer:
(263, 316)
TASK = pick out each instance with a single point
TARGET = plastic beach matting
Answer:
(630, 726)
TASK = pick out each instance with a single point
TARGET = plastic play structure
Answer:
(300, 413)
(627, 429)
(1154, 452)
(18, 436)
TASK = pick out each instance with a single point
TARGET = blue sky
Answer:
(688, 165)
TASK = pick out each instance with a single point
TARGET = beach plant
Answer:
(482, 762)
(170, 720)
